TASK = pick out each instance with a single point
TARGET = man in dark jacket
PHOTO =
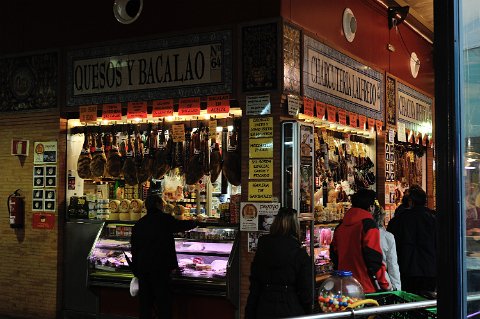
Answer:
(154, 257)
(399, 211)
(356, 244)
(415, 237)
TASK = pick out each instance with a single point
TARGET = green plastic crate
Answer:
(399, 297)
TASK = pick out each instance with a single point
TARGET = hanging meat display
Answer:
(147, 162)
(114, 159)
(195, 169)
(215, 160)
(162, 155)
(130, 167)
(231, 164)
(205, 150)
(99, 161)
(83, 162)
(187, 150)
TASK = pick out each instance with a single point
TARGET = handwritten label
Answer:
(261, 127)
(88, 113)
(218, 104)
(258, 104)
(261, 147)
(112, 112)
(189, 106)
(320, 108)
(178, 133)
(259, 191)
(260, 169)
(137, 110)
(331, 113)
(162, 108)
(308, 105)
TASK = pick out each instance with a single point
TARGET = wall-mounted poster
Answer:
(45, 152)
(391, 101)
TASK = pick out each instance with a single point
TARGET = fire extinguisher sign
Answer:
(20, 147)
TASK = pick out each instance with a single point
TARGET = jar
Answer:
(339, 292)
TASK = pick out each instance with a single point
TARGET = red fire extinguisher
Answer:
(16, 209)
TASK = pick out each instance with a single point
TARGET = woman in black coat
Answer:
(281, 276)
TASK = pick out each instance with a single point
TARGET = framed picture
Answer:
(50, 171)
(38, 171)
(51, 181)
(37, 194)
(37, 205)
(50, 194)
(38, 182)
(49, 205)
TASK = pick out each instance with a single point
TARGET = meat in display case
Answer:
(207, 258)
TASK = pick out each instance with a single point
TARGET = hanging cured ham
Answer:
(215, 161)
(146, 165)
(195, 169)
(83, 162)
(99, 160)
(162, 155)
(114, 159)
(129, 167)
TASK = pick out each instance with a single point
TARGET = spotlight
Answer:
(396, 15)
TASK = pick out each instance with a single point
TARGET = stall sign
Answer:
(260, 168)
(353, 117)
(212, 129)
(112, 112)
(342, 117)
(391, 136)
(308, 106)
(320, 108)
(261, 147)
(137, 110)
(88, 113)
(293, 102)
(335, 78)
(45, 152)
(331, 113)
(162, 108)
(414, 108)
(43, 220)
(178, 133)
(371, 124)
(362, 120)
(257, 216)
(258, 104)
(189, 106)
(218, 104)
(401, 132)
(259, 191)
(261, 127)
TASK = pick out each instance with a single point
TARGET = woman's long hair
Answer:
(286, 223)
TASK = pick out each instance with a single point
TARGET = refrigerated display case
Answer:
(207, 256)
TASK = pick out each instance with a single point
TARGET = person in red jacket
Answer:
(356, 244)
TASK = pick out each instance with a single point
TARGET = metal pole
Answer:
(374, 310)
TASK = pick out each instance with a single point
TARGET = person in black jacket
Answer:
(281, 276)
(154, 257)
(415, 237)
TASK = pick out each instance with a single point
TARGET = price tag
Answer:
(178, 133)
(378, 125)
(331, 113)
(353, 118)
(218, 104)
(320, 108)
(137, 110)
(112, 112)
(324, 135)
(162, 108)
(189, 106)
(342, 117)
(88, 113)
(371, 124)
(308, 106)
(293, 105)
(362, 120)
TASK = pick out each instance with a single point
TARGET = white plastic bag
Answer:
(134, 287)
